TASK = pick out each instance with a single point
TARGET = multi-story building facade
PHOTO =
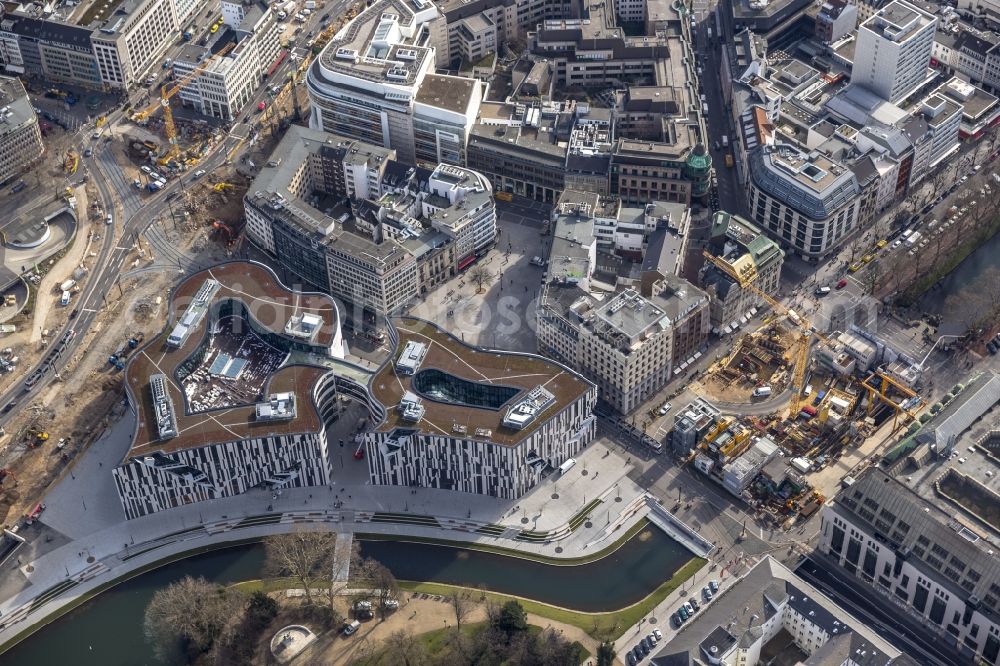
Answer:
(893, 51)
(750, 257)
(374, 82)
(926, 553)
(441, 425)
(836, 19)
(59, 52)
(629, 345)
(131, 40)
(806, 201)
(224, 86)
(181, 452)
(20, 136)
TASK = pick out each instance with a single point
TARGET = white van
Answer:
(762, 391)
(567, 465)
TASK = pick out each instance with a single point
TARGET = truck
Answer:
(913, 239)
(67, 285)
(725, 141)
(310, 4)
(154, 186)
(66, 296)
(289, 7)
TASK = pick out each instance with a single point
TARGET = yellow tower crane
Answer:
(746, 278)
(166, 93)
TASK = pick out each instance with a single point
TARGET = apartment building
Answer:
(20, 136)
(893, 51)
(405, 229)
(225, 85)
(750, 257)
(440, 425)
(739, 626)
(806, 201)
(374, 82)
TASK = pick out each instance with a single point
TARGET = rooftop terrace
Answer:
(498, 380)
(208, 404)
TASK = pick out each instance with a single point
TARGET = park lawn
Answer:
(434, 641)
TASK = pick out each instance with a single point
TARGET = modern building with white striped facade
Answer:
(241, 400)
(473, 420)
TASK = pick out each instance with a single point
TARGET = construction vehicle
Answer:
(116, 361)
(136, 340)
(166, 93)
(71, 162)
(36, 437)
(746, 278)
(222, 187)
(880, 394)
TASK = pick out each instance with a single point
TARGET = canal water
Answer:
(107, 631)
(956, 297)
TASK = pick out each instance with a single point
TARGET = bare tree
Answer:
(305, 556)
(192, 611)
(402, 648)
(480, 276)
(462, 604)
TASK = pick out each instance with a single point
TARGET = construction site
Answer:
(826, 395)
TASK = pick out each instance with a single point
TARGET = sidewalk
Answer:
(107, 547)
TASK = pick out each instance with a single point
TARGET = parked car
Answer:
(991, 347)
(676, 620)
(631, 660)
(350, 628)
(694, 604)
(658, 635)
(707, 593)
(841, 284)
(662, 411)
(713, 585)
(683, 613)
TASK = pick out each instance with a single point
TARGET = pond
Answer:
(107, 631)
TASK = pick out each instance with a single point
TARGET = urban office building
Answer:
(919, 539)
(123, 41)
(59, 52)
(749, 256)
(374, 82)
(771, 615)
(406, 228)
(225, 84)
(456, 417)
(805, 200)
(893, 51)
(20, 136)
(243, 407)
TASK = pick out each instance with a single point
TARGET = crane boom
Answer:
(166, 93)
(746, 281)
